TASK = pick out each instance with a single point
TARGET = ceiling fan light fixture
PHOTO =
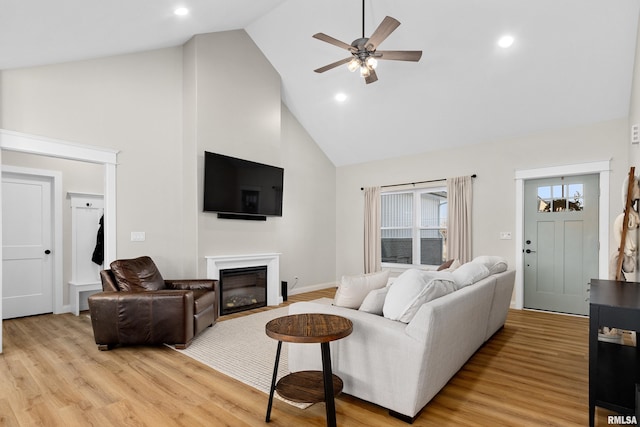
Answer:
(353, 65)
(372, 62)
(364, 51)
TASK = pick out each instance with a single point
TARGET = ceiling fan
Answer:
(364, 53)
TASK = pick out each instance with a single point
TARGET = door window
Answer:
(560, 198)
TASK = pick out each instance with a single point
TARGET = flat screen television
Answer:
(241, 187)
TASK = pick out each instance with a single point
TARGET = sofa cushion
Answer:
(412, 289)
(374, 301)
(495, 264)
(469, 273)
(138, 274)
(353, 289)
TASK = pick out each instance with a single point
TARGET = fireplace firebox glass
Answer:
(242, 289)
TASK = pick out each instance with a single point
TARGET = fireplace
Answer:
(242, 289)
(217, 263)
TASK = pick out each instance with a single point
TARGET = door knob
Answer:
(529, 251)
(47, 252)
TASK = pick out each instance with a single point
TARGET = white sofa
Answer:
(402, 366)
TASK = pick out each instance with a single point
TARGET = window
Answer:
(414, 226)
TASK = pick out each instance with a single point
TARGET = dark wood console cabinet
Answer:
(614, 369)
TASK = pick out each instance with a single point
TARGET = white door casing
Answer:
(21, 142)
(601, 168)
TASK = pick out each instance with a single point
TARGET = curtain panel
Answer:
(459, 195)
(372, 237)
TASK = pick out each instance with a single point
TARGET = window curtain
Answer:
(459, 195)
(372, 242)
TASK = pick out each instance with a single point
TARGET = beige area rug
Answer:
(241, 349)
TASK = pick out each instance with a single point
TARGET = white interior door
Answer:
(560, 242)
(27, 273)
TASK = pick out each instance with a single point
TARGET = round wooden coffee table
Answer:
(308, 386)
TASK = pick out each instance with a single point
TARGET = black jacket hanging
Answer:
(98, 252)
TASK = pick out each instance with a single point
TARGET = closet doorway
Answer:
(25, 143)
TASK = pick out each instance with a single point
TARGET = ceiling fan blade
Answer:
(333, 65)
(372, 77)
(331, 40)
(399, 55)
(386, 27)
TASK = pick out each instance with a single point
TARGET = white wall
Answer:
(307, 230)
(131, 103)
(634, 108)
(634, 117)
(495, 164)
(154, 108)
(237, 113)
(232, 102)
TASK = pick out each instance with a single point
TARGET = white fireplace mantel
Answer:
(271, 261)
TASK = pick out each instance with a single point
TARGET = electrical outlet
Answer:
(137, 236)
(505, 235)
(635, 134)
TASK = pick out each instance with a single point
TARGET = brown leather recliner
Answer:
(137, 306)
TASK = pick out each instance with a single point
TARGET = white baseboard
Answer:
(303, 289)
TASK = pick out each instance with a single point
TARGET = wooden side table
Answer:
(308, 386)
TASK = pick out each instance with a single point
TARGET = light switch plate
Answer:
(505, 235)
(137, 236)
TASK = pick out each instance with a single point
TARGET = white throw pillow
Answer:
(495, 264)
(353, 289)
(412, 289)
(469, 273)
(374, 301)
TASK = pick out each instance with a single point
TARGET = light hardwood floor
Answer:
(532, 372)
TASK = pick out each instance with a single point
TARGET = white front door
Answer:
(560, 242)
(27, 273)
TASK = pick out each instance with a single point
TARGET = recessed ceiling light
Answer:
(341, 97)
(181, 11)
(505, 41)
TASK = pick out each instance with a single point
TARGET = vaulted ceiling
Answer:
(571, 62)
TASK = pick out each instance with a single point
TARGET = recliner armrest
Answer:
(153, 317)
(192, 284)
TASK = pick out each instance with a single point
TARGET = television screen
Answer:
(236, 186)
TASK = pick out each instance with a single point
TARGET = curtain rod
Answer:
(418, 182)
